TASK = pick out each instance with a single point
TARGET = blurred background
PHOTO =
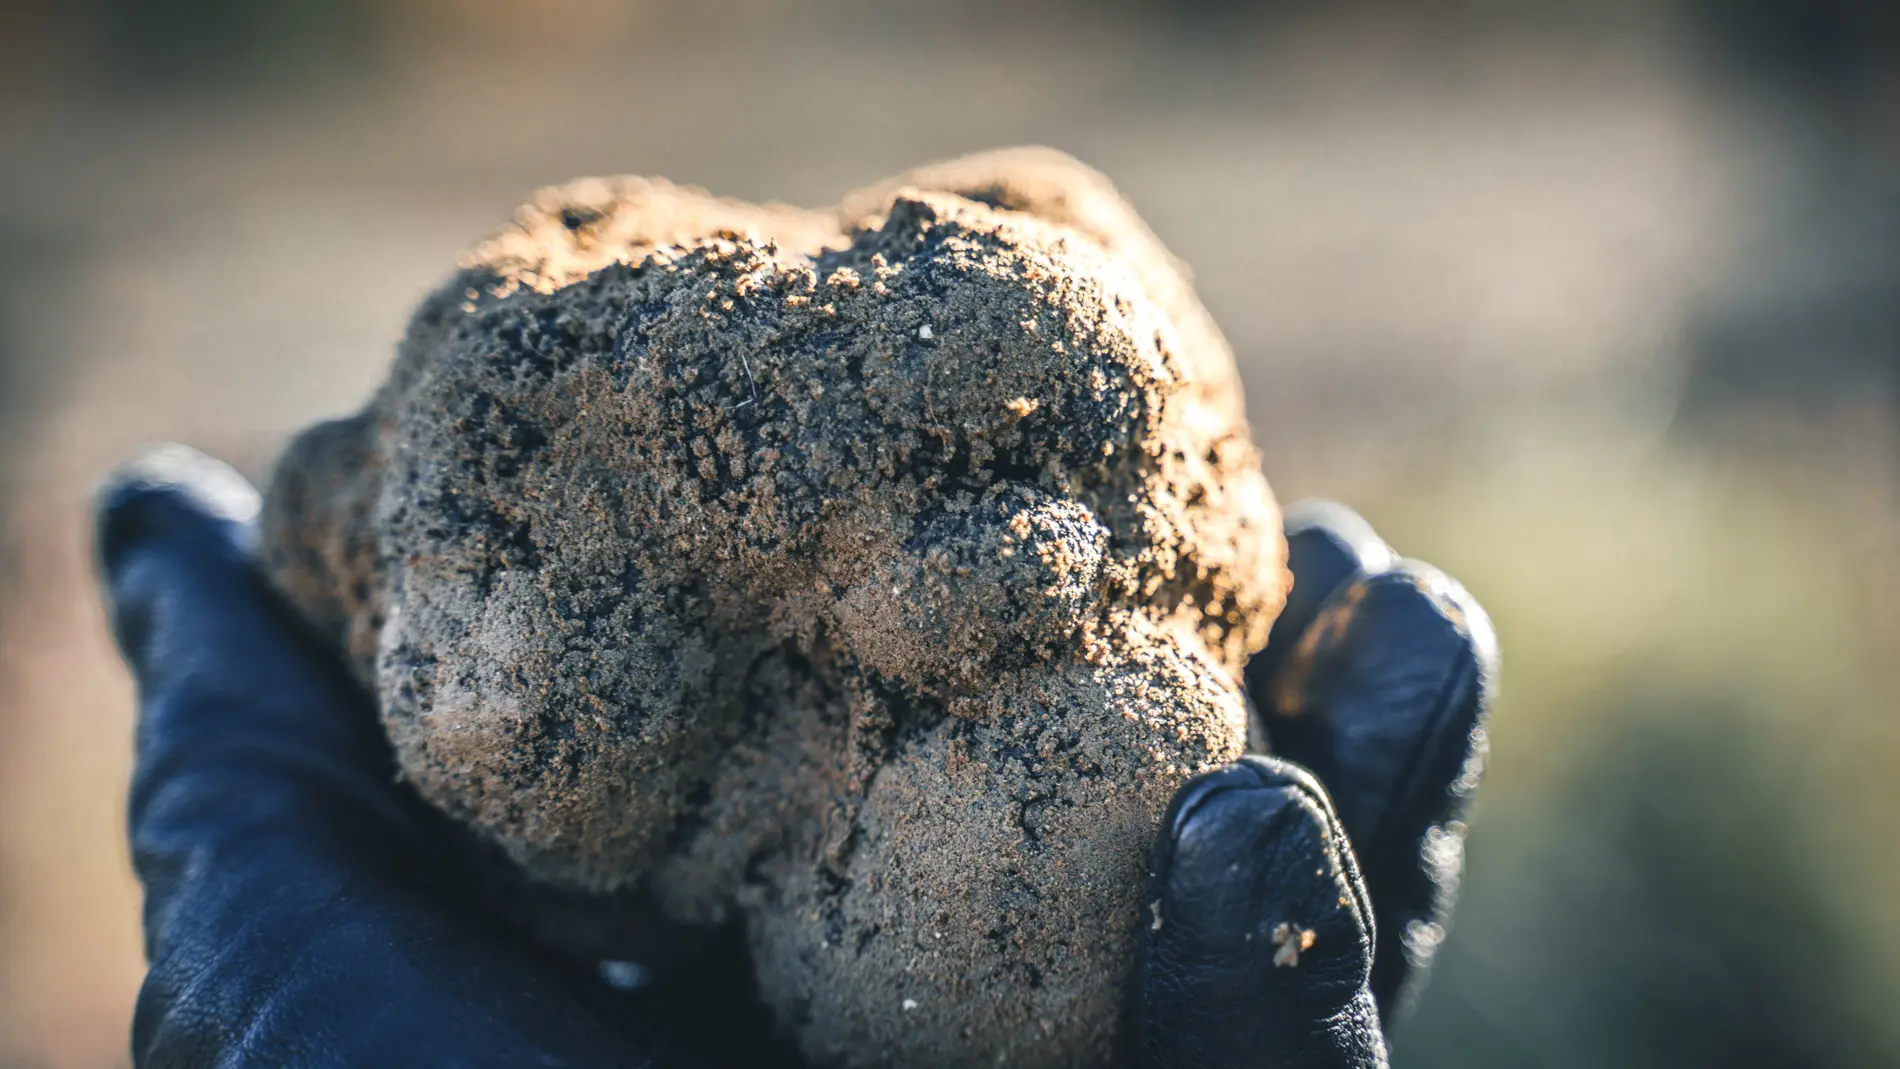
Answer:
(1595, 304)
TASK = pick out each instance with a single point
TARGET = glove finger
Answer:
(199, 514)
(229, 680)
(1260, 942)
(175, 491)
(1385, 697)
(300, 904)
(173, 535)
(1326, 545)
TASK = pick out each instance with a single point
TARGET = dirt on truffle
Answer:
(871, 575)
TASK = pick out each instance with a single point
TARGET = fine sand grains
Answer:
(872, 575)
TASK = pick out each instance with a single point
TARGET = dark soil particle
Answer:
(868, 576)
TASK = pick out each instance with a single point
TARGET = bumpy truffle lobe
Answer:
(872, 576)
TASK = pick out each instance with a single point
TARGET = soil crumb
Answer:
(870, 575)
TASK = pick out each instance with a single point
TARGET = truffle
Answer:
(868, 576)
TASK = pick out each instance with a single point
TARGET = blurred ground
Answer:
(1597, 306)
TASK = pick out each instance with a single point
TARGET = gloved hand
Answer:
(1276, 943)
(305, 908)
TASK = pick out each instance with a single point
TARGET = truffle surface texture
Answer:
(869, 577)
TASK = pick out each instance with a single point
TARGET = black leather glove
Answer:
(294, 912)
(304, 908)
(1276, 944)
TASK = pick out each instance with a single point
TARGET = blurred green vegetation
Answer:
(228, 42)
(1681, 856)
